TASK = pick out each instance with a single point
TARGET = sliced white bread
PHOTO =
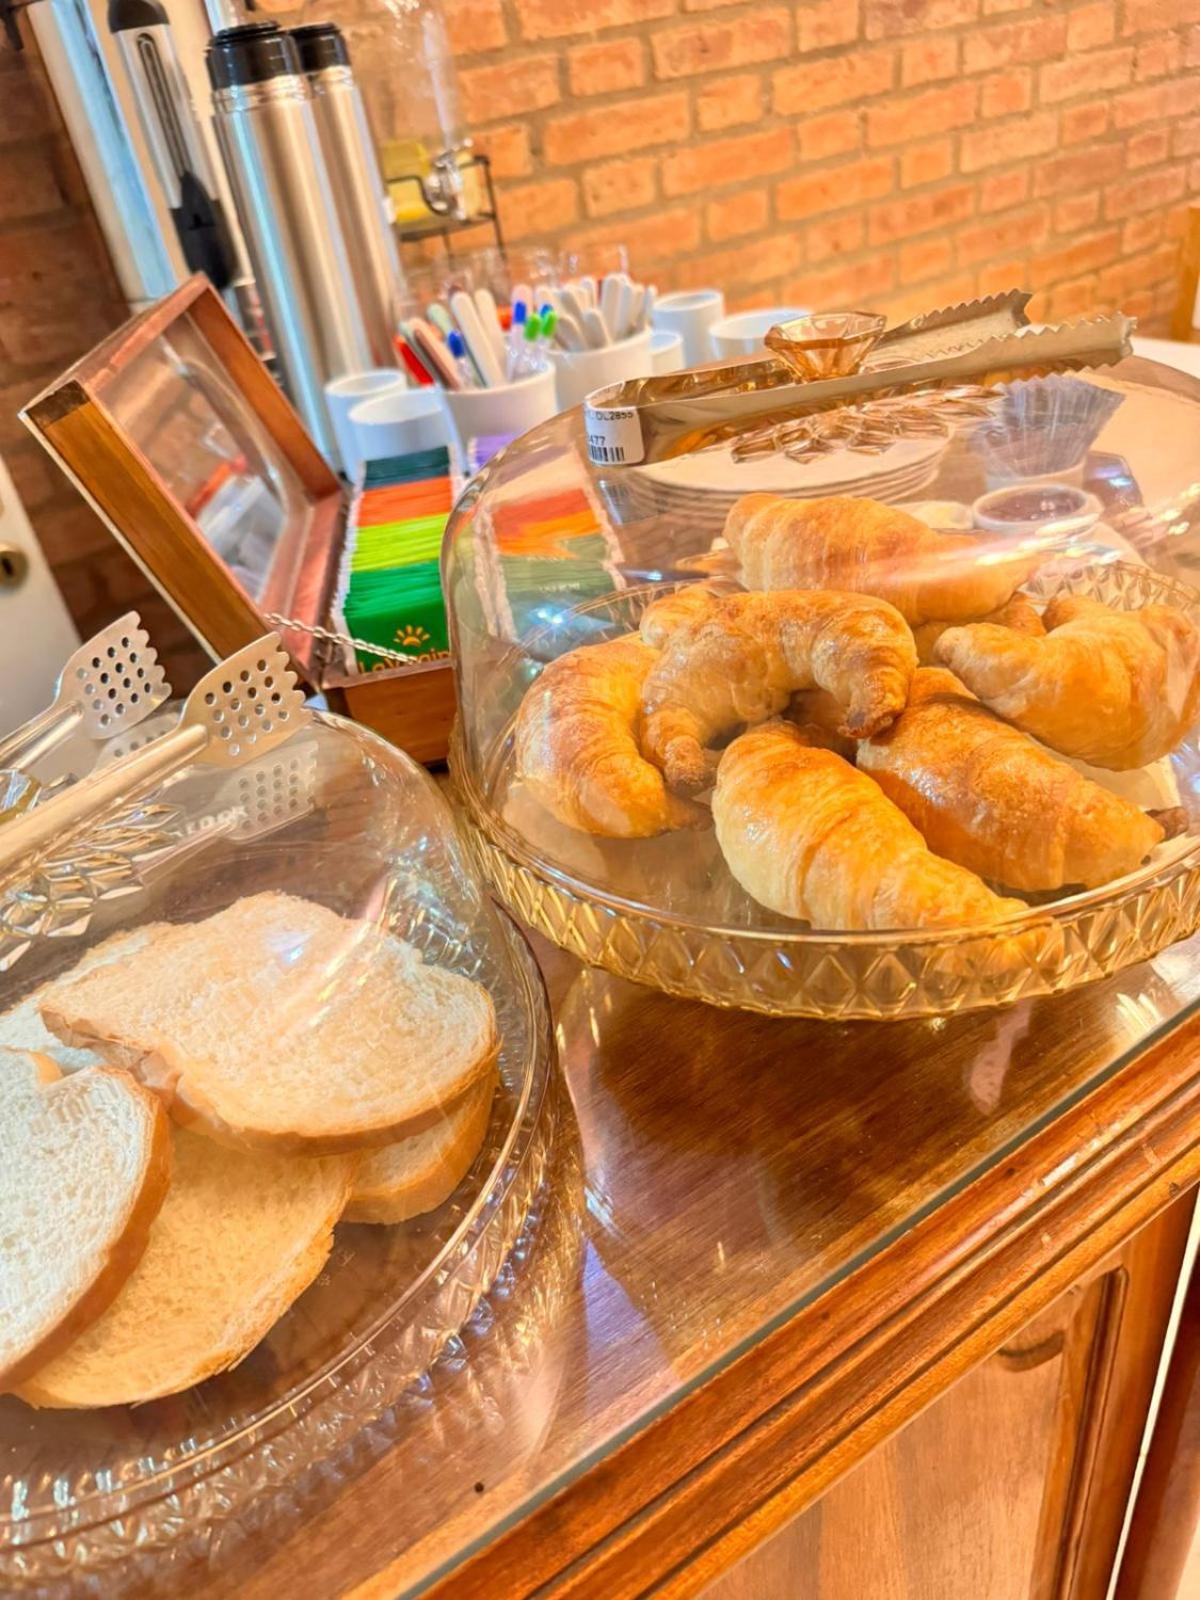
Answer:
(278, 1024)
(414, 1175)
(84, 1166)
(240, 1235)
(22, 1028)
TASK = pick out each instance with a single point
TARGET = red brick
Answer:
(839, 236)
(1011, 141)
(1092, 75)
(919, 115)
(888, 19)
(1139, 105)
(736, 214)
(834, 188)
(475, 25)
(1191, 48)
(758, 262)
(1144, 149)
(508, 148)
(1152, 16)
(1145, 192)
(1076, 212)
(924, 258)
(623, 185)
(847, 284)
(927, 60)
(30, 182)
(1158, 57)
(822, 24)
(530, 209)
(707, 46)
(837, 133)
(1080, 123)
(926, 163)
(920, 213)
(841, 80)
(728, 102)
(628, 125)
(997, 235)
(662, 236)
(1121, 280)
(947, 291)
(606, 66)
(1004, 189)
(1090, 26)
(1083, 170)
(1072, 299)
(1015, 43)
(563, 19)
(997, 277)
(697, 167)
(1085, 254)
(1185, 137)
(510, 88)
(1006, 93)
(1139, 233)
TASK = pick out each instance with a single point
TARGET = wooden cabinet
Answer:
(1012, 1486)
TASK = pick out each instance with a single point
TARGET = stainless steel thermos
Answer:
(358, 187)
(268, 136)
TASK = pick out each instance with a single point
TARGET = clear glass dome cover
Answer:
(337, 820)
(1083, 484)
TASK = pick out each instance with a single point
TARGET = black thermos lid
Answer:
(321, 44)
(251, 54)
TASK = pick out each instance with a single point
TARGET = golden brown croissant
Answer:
(1020, 614)
(665, 616)
(576, 745)
(1115, 688)
(870, 548)
(744, 662)
(809, 836)
(984, 795)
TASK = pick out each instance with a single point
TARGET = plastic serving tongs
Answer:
(107, 685)
(236, 713)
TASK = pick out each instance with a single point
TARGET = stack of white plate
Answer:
(708, 483)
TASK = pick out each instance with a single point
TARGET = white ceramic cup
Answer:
(743, 333)
(581, 371)
(666, 352)
(691, 314)
(341, 397)
(396, 423)
(507, 408)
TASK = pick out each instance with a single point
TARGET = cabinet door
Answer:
(1014, 1484)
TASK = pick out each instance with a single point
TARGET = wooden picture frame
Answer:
(413, 706)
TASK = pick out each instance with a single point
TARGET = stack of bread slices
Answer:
(186, 1114)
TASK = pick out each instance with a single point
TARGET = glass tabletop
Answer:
(716, 1174)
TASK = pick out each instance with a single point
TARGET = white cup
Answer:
(691, 314)
(581, 371)
(506, 408)
(395, 424)
(341, 397)
(666, 352)
(743, 334)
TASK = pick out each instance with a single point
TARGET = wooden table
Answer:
(767, 1247)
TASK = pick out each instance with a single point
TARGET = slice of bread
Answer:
(415, 1175)
(22, 1028)
(277, 1023)
(84, 1166)
(241, 1234)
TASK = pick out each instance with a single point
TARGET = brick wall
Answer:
(896, 153)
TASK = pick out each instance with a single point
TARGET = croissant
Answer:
(870, 548)
(807, 835)
(1020, 614)
(665, 616)
(984, 795)
(1114, 688)
(743, 663)
(576, 745)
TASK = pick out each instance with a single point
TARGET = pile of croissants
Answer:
(871, 718)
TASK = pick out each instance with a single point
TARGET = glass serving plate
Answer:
(547, 553)
(364, 831)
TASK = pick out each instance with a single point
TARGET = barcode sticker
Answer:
(614, 436)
